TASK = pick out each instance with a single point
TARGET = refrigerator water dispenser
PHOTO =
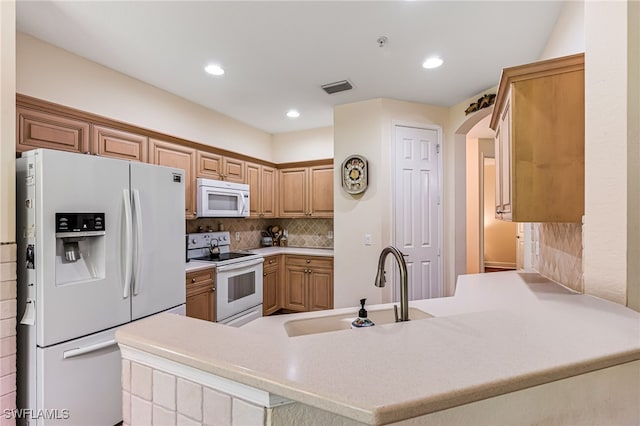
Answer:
(80, 247)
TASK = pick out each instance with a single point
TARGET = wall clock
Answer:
(354, 174)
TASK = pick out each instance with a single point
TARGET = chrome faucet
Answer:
(404, 284)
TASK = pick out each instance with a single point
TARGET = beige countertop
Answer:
(303, 251)
(500, 333)
(195, 265)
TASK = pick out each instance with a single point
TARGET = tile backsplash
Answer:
(317, 233)
(560, 255)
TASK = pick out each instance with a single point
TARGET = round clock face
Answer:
(354, 174)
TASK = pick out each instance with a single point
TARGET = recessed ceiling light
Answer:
(433, 62)
(292, 113)
(214, 69)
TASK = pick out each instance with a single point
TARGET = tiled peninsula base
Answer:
(158, 391)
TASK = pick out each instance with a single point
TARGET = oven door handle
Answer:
(239, 265)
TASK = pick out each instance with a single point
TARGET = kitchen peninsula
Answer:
(508, 348)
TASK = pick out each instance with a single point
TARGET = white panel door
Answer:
(417, 215)
(159, 238)
(74, 299)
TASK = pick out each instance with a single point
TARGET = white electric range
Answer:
(238, 276)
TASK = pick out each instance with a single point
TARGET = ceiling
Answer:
(276, 55)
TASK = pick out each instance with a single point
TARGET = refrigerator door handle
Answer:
(137, 208)
(88, 349)
(128, 243)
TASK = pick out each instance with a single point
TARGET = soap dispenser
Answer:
(362, 320)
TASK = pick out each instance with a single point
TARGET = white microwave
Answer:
(217, 198)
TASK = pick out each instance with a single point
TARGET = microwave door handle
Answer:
(241, 204)
(239, 265)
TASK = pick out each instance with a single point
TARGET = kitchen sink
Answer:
(328, 323)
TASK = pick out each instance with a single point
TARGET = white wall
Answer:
(567, 36)
(47, 72)
(607, 144)
(305, 145)
(366, 128)
(7, 123)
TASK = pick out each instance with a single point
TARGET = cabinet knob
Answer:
(213, 289)
(271, 261)
(193, 280)
(308, 261)
(499, 212)
(264, 274)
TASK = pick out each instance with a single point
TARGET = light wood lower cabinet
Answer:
(271, 284)
(201, 295)
(307, 284)
(181, 157)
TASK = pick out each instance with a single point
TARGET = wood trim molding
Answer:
(311, 163)
(528, 71)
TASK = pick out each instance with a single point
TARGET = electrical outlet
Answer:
(367, 240)
(237, 236)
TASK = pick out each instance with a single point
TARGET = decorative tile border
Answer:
(317, 233)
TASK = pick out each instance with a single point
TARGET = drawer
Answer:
(198, 277)
(271, 261)
(310, 261)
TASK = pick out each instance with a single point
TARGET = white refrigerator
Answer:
(101, 243)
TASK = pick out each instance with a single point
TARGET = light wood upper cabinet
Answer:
(219, 167)
(36, 129)
(262, 186)
(321, 191)
(539, 122)
(306, 192)
(114, 143)
(181, 157)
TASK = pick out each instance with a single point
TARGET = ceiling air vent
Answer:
(338, 86)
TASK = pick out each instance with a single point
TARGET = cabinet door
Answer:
(320, 289)
(255, 190)
(293, 192)
(505, 164)
(321, 191)
(209, 165)
(181, 157)
(233, 170)
(200, 295)
(108, 142)
(295, 289)
(268, 196)
(270, 281)
(44, 130)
